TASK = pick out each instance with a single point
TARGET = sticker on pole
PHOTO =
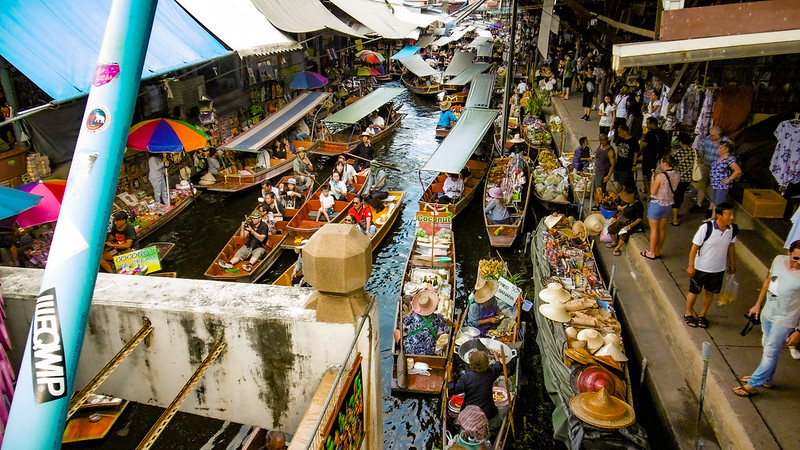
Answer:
(507, 291)
(105, 73)
(48, 366)
(139, 262)
(98, 119)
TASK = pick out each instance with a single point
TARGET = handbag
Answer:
(697, 170)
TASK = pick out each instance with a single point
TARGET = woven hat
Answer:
(207, 180)
(594, 378)
(517, 139)
(365, 134)
(183, 185)
(577, 355)
(555, 312)
(579, 228)
(602, 410)
(445, 105)
(593, 338)
(495, 192)
(552, 220)
(608, 361)
(425, 302)
(594, 224)
(627, 197)
(486, 291)
(613, 351)
(554, 293)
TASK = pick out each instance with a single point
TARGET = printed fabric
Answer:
(704, 119)
(785, 165)
(424, 341)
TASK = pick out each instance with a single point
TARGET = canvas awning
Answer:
(364, 106)
(376, 16)
(444, 40)
(240, 26)
(405, 51)
(56, 43)
(301, 16)
(484, 33)
(417, 66)
(461, 60)
(460, 144)
(481, 90)
(478, 41)
(407, 15)
(425, 41)
(466, 76)
(270, 128)
(485, 49)
(458, 34)
(462, 13)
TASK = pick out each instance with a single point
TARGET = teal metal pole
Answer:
(47, 373)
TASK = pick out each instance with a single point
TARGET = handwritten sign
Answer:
(145, 259)
(428, 220)
(507, 291)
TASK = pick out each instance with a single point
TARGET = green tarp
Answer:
(461, 60)
(466, 75)
(365, 106)
(481, 90)
(454, 152)
(417, 66)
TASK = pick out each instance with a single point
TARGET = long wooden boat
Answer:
(434, 88)
(347, 140)
(272, 245)
(238, 181)
(471, 183)
(549, 195)
(176, 209)
(510, 174)
(580, 182)
(425, 261)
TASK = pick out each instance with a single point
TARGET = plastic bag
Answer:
(604, 235)
(730, 289)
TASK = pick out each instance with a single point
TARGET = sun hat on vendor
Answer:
(478, 361)
(627, 195)
(445, 105)
(485, 290)
(495, 192)
(517, 139)
(425, 302)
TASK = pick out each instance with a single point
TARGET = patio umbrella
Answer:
(307, 80)
(52, 193)
(166, 136)
(372, 57)
(14, 201)
(362, 72)
(361, 53)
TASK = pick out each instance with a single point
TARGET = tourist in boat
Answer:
(497, 211)
(271, 207)
(422, 326)
(453, 188)
(364, 151)
(338, 187)
(157, 178)
(375, 186)
(446, 117)
(266, 186)
(484, 313)
(303, 169)
(212, 162)
(378, 121)
(292, 196)
(121, 239)
(477, 385)
(326, 202)
(287, 146)
(278, 151)
(256, 231)
(301, 131)
(346, 172)
(363, 215)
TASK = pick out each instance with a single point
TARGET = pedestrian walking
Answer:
(778, 307)
(606, 110)
(684, 162)
(712, 251)
(659, 210)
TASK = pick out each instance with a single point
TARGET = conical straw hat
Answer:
(555, 312)
(602, 410)
(554, 293)
(613, 351)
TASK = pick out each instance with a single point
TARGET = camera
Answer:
(752, 321)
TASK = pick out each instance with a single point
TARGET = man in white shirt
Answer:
(452, 189)
(378, 121)
(522, 87)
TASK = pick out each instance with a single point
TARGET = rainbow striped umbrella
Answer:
(166, 136)
(372, 57)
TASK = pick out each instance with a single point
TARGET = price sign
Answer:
(146, 258)
(507, 291)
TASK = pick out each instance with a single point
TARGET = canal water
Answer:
(409, 422)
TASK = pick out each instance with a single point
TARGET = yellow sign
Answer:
(359, 47)
(138, 262)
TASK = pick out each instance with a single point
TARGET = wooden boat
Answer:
(347, 140)
(238, 181)
(272, 245)
(176, 209)
(432, 260)
(457, 98)
(304, 223)
(580, 182)
(471, 183)
(547, 167)
(503, 173)
(442, 132)
(434, 88)
(93, 419)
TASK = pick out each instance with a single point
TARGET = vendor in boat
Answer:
(121, 239)
(256, 231)
(477, 385)
(422, 326)
(364, 151)
(157, 178)
(497, 211)
(446, 117)
(211, 161)
(303, 169)
(363, 215)
(453, 188)
(483, 313)
(375, 186)
(582, 156)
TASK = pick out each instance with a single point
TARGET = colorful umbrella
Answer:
(362, 53)
(52, 193)
(166, 136)
(372, 57)
(362, 72)
(307, 80)
(14, 201)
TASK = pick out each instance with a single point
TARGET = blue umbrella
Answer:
(14, 201)
(307, 80)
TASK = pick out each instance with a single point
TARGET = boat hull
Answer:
(471, 184)
(423, 89)
(169, 215)
(505, 235)
(345, 143)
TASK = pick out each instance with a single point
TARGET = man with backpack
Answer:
(712, 251)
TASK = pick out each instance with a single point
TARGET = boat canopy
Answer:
(461, 60)
(454, 152)
(364, 106)
(467, 75)
(417, 66)
(425, 41)
(480, 91)
(377, 17)
(405, 51)
(485, 48)
(270, 128)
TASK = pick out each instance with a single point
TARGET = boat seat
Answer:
(437, 187)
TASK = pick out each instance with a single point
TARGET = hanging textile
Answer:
(785, 164)
(704, 119)
(732, 106)
(689, 110)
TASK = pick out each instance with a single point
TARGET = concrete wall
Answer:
(275, 358)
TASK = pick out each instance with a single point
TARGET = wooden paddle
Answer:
(379, 164)
(508, 390)
(449, 367)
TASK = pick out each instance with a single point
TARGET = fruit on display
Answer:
(491, 269)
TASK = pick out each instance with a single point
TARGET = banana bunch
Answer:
(547, 161)
(490, 268)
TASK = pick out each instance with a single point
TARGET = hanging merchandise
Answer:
(732, 106)
(785, 164)
(704, 120)
(689, 109)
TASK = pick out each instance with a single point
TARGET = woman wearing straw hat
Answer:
(446, 117)
(483, 313)
(476, 385)
(422, 325)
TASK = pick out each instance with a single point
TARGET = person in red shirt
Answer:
(363, 215)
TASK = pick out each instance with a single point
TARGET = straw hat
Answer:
(517, 139)
(608, 362)
(579, 228)
(613, 351)
(627, 197)
(577, 355)
(207, 180)
(594, 224)
(593, 338)
(183, 185)
(485, 291)
(555, 312)
(445, 105)
(365, 134)
(612, 338)
(495, 192)
(554, 293)
(552, 220)
(425, 302)
(602, 410)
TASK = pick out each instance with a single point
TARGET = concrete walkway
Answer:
(652, 299)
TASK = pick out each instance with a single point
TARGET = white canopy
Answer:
(420, 68)
(285, 15)
(376, 16)
(454, 152)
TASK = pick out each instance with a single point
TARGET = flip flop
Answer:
(691, 321)
(674, 224)
(744, 391)
(747, 379)
(644, 253)
(702, 322)
(617, 252)
(609, 245)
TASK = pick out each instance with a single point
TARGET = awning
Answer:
(417, 66)
(484, 33)
(301, 16)
(444, 40)
(405, 51)
(376, 16)
(364, 106)
(240, 26)
(414, 34)
(481, 90)
(458, 34)
(270, 128)
(425, 41)
(466, 75)
(56, 43)
(485, 49)
(407, 15)
(462, 13)
(478, 41)
(705, 49)
(461, 60)
(460, 144)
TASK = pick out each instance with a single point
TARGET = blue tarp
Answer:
(405, 51)
(56, 43)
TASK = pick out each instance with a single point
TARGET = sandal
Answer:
(644, 253)
(747, 379)
(691, 321)
(675, 224)
(617, 252)
(702, 322)
(609, 245)
(745, 391)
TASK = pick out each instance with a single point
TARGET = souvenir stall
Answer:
(583, 357)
